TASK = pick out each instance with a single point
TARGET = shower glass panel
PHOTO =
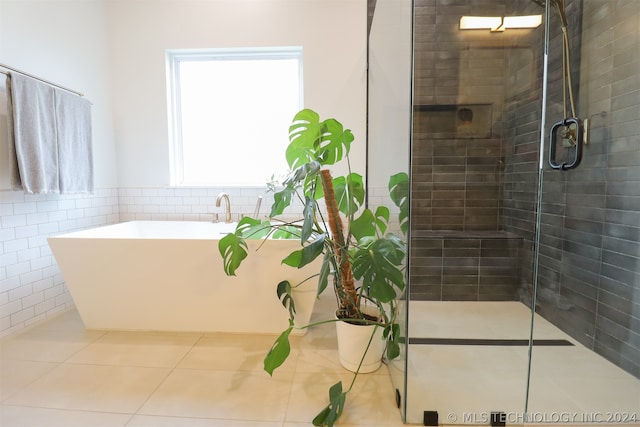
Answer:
(588, 263)
(476, 118)
(389, 126)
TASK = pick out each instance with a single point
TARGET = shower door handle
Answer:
(572, 136)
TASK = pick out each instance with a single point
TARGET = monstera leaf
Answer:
(399, 193)
(376, 263)
(310, 139)
(233, 249)
(330, 414)
(368, 223)
(233, 246)
(349, 193)
(279, 350)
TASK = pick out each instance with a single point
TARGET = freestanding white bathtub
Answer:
(168, 276)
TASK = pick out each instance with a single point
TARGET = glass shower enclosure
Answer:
(519, 122)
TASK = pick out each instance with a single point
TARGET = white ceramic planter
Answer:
(352, 343)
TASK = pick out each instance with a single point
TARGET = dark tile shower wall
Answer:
(591, 273)
(522, 121)
(464, 266)
(458, 183)
(458, 177)
(589, 281)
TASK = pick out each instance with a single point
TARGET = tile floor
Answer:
(59, 374)
(461, 381)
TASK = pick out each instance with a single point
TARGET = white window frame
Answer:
(174, 57)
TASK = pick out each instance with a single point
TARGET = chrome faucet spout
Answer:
(224, 196)
(257, 210)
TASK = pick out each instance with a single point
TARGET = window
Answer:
(230, 111)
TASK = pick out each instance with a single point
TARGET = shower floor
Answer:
(471, 361)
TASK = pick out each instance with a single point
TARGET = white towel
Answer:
(75, 150)
(14, 173)
(49, 137)
(34, 135)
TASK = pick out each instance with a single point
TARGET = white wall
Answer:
(64, 42)
(332, 33)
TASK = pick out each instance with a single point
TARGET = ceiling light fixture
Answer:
(499, 23)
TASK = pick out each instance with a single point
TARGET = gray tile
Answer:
(620, 274)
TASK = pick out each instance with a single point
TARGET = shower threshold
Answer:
(485, 341)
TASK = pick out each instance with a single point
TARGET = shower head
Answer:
(559, 5)
(541, 3)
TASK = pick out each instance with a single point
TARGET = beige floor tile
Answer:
(457, 394)
(490, 320)
(594, 395)
(68, 320)
(371, 402)
(219, 381)
(451, 319)
(586, 424)
(340, 423)
(545, 397)
(432, 361)
(229, 352)
(310, 391)
(46, 345)
(15, 375)
(417, 400)
(155, 421)
(136, 349)
(92, 388)
(235, 395)
(552, 362)
(319, 361)
(320, 337)
(20, 416)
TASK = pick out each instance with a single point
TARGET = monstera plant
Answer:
(363, 261)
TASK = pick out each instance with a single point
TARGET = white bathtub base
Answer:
(178, 284)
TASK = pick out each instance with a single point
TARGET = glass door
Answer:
(588, 258)
(389, 128)
(476, 129)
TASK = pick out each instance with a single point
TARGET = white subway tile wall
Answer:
(189, 204)
(31, 285)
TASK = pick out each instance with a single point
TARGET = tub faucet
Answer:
(224, 196)
(257, 210)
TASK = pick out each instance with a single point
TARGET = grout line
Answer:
(169, 373)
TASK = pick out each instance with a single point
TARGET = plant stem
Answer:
(347, 291)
